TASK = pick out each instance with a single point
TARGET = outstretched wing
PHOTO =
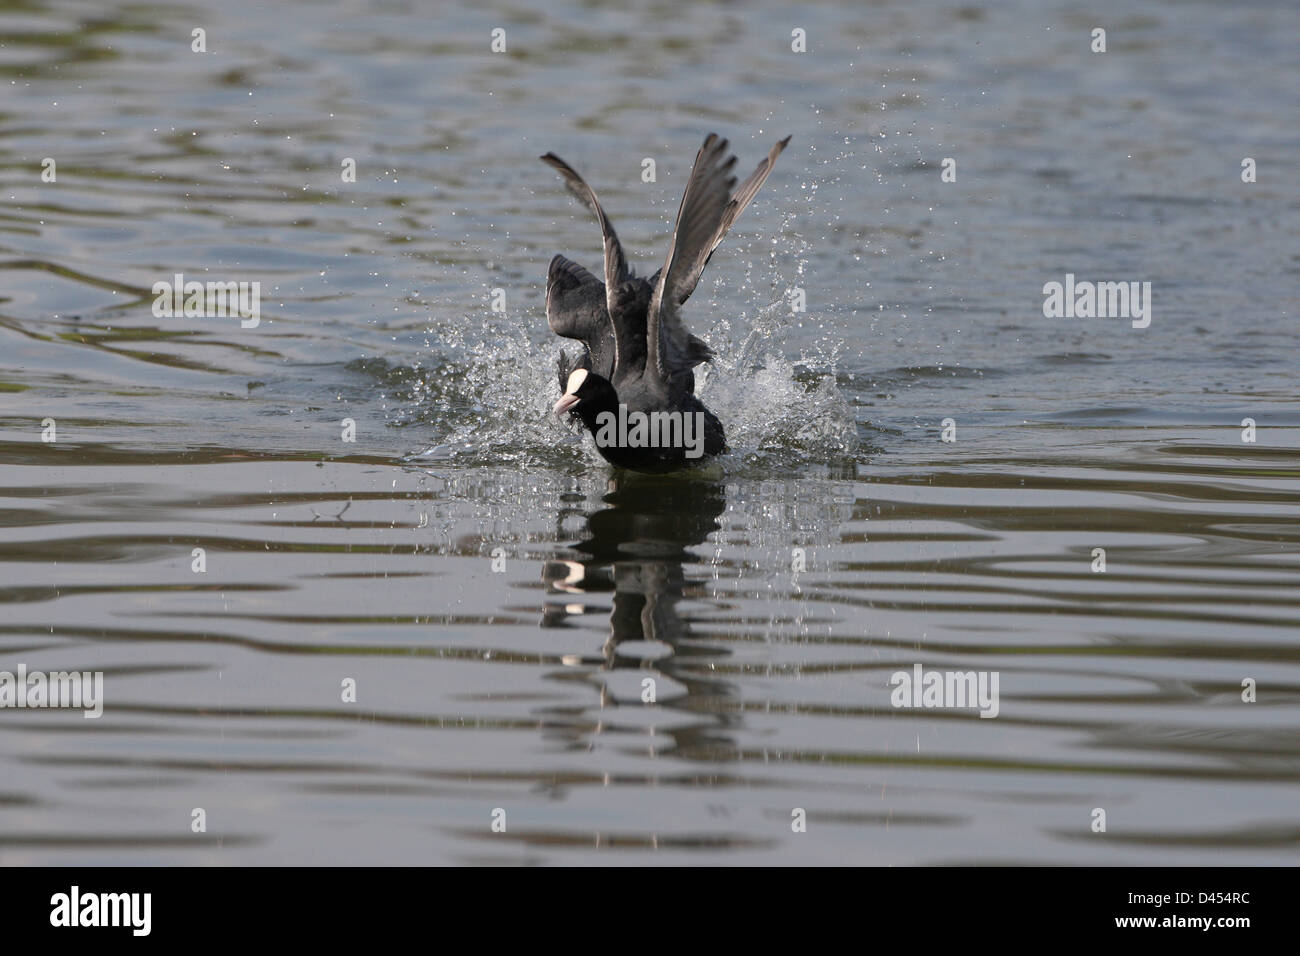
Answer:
(616, 271)
(568, 274)
(576, 309)
(710, 205)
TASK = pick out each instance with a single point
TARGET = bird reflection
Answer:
(636, 546)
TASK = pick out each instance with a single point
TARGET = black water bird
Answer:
(633, 386)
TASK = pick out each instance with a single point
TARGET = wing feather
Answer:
(616, 271)
(711, 203)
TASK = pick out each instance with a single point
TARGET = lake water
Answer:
(495, 594)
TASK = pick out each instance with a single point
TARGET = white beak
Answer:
(565, 403)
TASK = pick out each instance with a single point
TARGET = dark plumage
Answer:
(638, 355)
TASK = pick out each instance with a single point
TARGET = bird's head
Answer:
(585, 394)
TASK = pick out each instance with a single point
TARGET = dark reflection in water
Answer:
(636, 547)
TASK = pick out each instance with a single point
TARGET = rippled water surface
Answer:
(499, 597)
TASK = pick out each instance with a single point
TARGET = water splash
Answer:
(488, 398)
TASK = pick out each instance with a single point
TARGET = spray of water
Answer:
(489, 401)
(489, 388)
